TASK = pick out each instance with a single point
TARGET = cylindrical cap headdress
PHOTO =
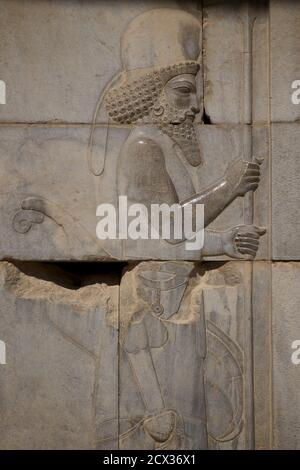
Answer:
(157, 46)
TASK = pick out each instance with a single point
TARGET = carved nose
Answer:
(195, 109)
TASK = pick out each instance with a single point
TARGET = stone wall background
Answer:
(60, 321)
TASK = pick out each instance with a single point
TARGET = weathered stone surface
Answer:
(284, 55)
(46, 175)
(223, 72)
(185, 368)
(133, 98)
(286, 374)
(260, 62)
(262, 198)
(59, 383)
(57, 58)
(224, 60)
(262, 353)
(229, 365)
(285, 191)
(150, 152)
(219, 145)
(48, 216)
(201, 335)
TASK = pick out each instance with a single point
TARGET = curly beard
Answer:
(178, 126)
(184, 135)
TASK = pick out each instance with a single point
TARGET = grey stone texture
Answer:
(49, 178)
(194, 355)
(103, 377)
(116, 344)
(262, 353)
(285, 67)
(48, 216)
(224, 61)
(286, 377)
(57, 59)
(285, 191)
(54, 387)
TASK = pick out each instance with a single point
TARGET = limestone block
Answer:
(261, 202)
(53, 181)
(262, 353)
(170, 370)
(260, 62)
(49, 195)
(224, 61)
(57, 58)
(284, 52)
(286, 374)
(285, 191)
(185, 357)
(219, 145)
(228, 362)
(223, 77)
(59, 383)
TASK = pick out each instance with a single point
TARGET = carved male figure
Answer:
(156, 95)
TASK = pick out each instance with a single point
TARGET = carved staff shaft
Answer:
(248, 219)
(247, 114)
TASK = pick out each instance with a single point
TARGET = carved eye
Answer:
(184, 90)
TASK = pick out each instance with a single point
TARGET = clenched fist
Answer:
(242, 176)
(242, 240)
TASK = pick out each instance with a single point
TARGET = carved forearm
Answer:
(213, 245)
(215, 198)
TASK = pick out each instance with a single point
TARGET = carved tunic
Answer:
(153, 170)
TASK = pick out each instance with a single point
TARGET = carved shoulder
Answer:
(142, 173)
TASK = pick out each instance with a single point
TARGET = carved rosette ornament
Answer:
(24, 220)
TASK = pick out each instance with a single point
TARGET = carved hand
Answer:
(242, 241)
(242, 176)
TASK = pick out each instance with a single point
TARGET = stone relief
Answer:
(178, 367)
(156, 96)
(152, 334)
(183, 354)
(196, 105)
(35, 209)
(154, 101)
(181, 359)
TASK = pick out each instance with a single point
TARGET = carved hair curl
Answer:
(134, 99)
